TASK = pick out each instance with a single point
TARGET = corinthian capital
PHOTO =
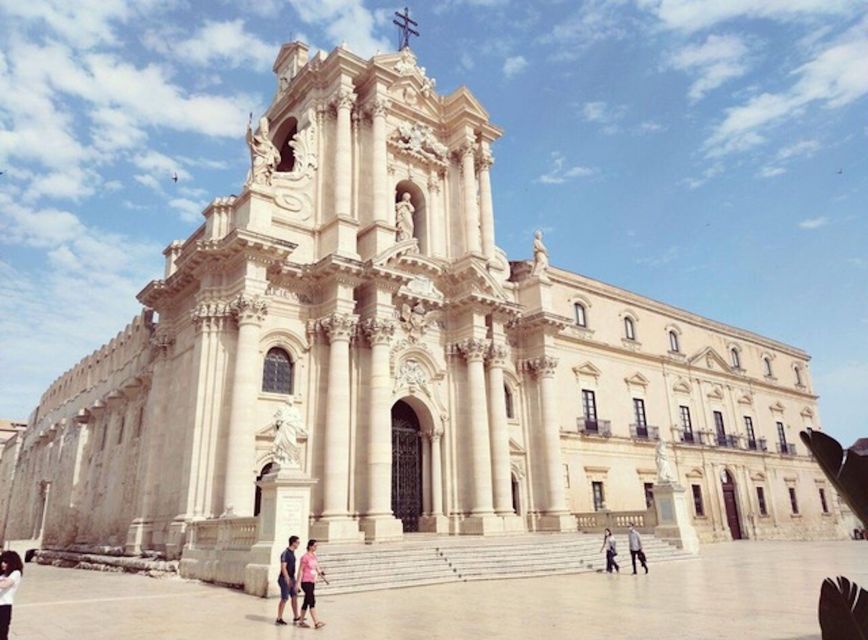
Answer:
(209, 314)
(378, 330)
(248, 309)
(377, 107)
(473, 349)
(343, 98)
(484, 160)
(498, 355)
(339, 326)
(543, 366)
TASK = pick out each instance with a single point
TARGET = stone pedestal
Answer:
(285, 511)
(562, 523)
(482, 525)
(434, 524)
(138, 536)
(674, 523)
(382, 529)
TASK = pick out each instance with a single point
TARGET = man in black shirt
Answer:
(286, 581)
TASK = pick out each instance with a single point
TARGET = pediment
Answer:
(462, 100)
(777, 406)
(415, 93)
(709, 359)
(745, 397)
(588, 370)
(516, 448)
(637, 379)
(716, 393)
(681, 386)
(694, 473)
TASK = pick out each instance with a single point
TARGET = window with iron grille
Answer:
(698, 508)
(507, 397)
(719, 428)
(761, 501)
(639, 411)
(782, 435)
(589, 406)
(599, 498)
(751, 436)
(794, 503)
(277, 372)
(686, 424)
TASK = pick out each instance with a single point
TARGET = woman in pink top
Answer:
(308, 570)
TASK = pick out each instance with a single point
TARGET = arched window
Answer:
(282, 137)
(736, 360)
(629, 329)
(277, 372)
(767, 366)
(673, 342)
(798, 373)
(581, 319)
(510, 406)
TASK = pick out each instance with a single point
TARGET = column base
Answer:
(513, 524)
(434, 524)
(485, 525)
(337, 530)
(561, 522)
(138, 536)
(382, 529)
(176, 537)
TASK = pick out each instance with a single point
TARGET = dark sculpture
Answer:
(843, 604)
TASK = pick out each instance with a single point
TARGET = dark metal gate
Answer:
(406, 466)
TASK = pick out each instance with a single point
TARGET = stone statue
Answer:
(288, 426)
(404, 217)
(664, 469)
(264, 156)
(540, 256)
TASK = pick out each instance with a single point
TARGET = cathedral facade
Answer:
(354, 290)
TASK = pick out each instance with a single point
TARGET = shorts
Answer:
(286, 591)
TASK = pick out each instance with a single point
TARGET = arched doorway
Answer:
(406, 466)
(729, 502)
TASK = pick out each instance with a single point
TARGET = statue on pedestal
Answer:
(540, 256)
(404, 217)
(664, 469)
(264, 156)
(288, 426)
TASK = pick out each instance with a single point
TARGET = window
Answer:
(782, 435)
(736, 360)
(698, 509)
(751, 436)
(140, 421)
(579, 310)
(649, 494)
(823, 503)
(629, 329)
(105, 429)
(761, 501)
(566, 476)
(767, 366)
(589, 406)
(719, 428)
(794, 503)
(673, 342)
(121, 430)
(277, 372)
(639, 412)
(507, 397)
(686, 425)
(798, 373)
(599, 498)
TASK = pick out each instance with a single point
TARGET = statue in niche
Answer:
(664, 469)
(264, 156)
(288, 426)
(404, 217)
(540, 256)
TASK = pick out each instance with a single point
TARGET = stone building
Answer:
(441, 387)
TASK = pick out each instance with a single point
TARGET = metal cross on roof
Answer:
(404, 28)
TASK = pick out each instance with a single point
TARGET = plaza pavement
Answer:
(741, 590)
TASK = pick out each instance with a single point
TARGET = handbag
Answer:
(641, 555)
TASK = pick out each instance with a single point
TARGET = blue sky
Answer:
(709, 154)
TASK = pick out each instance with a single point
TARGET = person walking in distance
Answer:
(611, 551)
(287, 582)
(308, 571)
(11, 570)
(635, 541)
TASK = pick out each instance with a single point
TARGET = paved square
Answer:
(750, 590)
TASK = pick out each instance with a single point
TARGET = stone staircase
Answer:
(424, 559)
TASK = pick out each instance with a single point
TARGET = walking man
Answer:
(286, 581)
(636, 549)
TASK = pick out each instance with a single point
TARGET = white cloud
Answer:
(714, 170)
(595, 21)
(559, 173)
(343, 21)
(814, 223)
(797, 149)
(514, 65)
(660, 260)
(226, 42)
(715, 61)
(189, 210)
(149, 181)
(771, 172)
(649, 126)
(604, 114)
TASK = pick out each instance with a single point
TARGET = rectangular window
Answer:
(761, 501)
(782, 436)
(641, 422)
(698, 509)
(566, 476)
(794, 503)
(751, 436)
(580, 315)
(121, 430)
(686, 424)
(140, 420)
(719, 428)
(823, 500)
(105, 428)
(589, 406)
(599, 499)
(649, 494)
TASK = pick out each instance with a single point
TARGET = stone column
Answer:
(486, 208)
(343, 179)
(500, 472)
(436, 239)
(378, 522)
(379, 159)
(555, 515)
(239, 488)
(436, 475)
(471, 210)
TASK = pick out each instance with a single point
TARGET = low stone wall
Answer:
(97, 562)
(617, 521)
(219, 550)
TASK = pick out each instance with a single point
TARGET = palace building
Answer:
(436, 385)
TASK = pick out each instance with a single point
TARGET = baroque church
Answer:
(354, 290)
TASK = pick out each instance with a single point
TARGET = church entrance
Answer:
(406, 466)
(728, 485)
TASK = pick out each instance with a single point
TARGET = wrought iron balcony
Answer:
(689, 437)
(786, 448)
(757, 444)
(726, 440)
(601, 428)
(644, 432)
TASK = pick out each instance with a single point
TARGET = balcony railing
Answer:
(644, 432)
(594, 427)
(726, 440)
(757, 444)
(786, 448)
(689, 437)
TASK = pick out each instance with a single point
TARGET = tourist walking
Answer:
(611, 551)
(635, 541)
(308, 571)
(287, 582)
(11, 570)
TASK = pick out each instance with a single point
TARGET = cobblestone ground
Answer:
(742, 590)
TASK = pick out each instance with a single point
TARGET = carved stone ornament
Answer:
(378, 330)
(423, 286)
(473, 349)
(343, 99)
(287, 294)
(484, 160)
(498, 355)
(209, 314)
(419, 140)
(664, 469)
(264, 156)
(543, 366)
(288, 427)
(415, 320)
(377, 107)
(161, 341)
(338, 326)
(247, 308)
(540, 257)
(411, 375)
